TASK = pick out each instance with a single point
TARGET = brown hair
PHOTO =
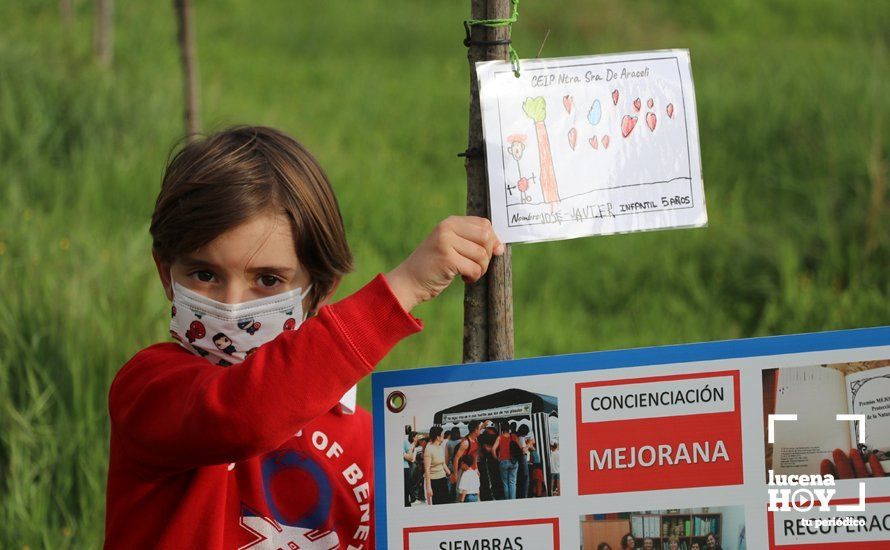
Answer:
(220, 181)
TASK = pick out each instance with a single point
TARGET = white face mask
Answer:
(225, 334)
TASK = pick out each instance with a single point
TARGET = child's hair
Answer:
(468, 460)
(220, 181)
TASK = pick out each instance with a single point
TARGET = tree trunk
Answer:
(189, 67)
(66, 10)
(103, 32)
(488, 303)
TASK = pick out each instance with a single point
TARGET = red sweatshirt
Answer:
(257, 455)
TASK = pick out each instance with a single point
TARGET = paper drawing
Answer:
(624, 154)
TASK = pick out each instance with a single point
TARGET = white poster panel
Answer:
(667, 443)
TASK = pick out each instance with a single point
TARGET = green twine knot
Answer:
(514, 16)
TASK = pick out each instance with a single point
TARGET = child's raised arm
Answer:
(174, 410)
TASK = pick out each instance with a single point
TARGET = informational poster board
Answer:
(670, 444)
(592, 145)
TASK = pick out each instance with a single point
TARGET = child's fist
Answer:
(459, 245)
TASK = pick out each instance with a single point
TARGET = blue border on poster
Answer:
(638, 357)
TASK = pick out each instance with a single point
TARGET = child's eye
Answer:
(269, 280)
(203, 276)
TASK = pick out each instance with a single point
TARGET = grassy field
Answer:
(795, 132)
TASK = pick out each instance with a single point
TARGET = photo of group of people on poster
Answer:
(721, 528)
(500, 446)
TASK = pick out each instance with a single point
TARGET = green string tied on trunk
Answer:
(495, 23)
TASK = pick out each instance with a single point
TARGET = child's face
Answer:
(251, 261)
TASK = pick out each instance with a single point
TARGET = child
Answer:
(554, 467)
(468, 486)
(245, 433)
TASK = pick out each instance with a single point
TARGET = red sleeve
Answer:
(173, 409)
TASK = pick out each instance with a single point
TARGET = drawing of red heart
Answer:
(567, 103)
(651, 121)
(650, 103)
(594, 143)
(637, 105)
(606, 142)
(614, 97)
(573, 138)
(670, 110)
(627, 125)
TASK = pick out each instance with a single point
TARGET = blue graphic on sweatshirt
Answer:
(306, 532)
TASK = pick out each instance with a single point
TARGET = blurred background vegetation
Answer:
(793, 108)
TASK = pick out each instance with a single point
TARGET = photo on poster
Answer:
(817, 442)
(480, 446)
(715, 528)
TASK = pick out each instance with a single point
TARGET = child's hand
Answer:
(460, 245)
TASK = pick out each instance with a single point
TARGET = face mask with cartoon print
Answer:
(226, 334)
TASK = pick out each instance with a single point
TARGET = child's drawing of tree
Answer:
(536, 109)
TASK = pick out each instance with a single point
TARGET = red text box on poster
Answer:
(787, 532)
(525, 534)
(660, 432)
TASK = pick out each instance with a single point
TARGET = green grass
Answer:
(795, 132)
